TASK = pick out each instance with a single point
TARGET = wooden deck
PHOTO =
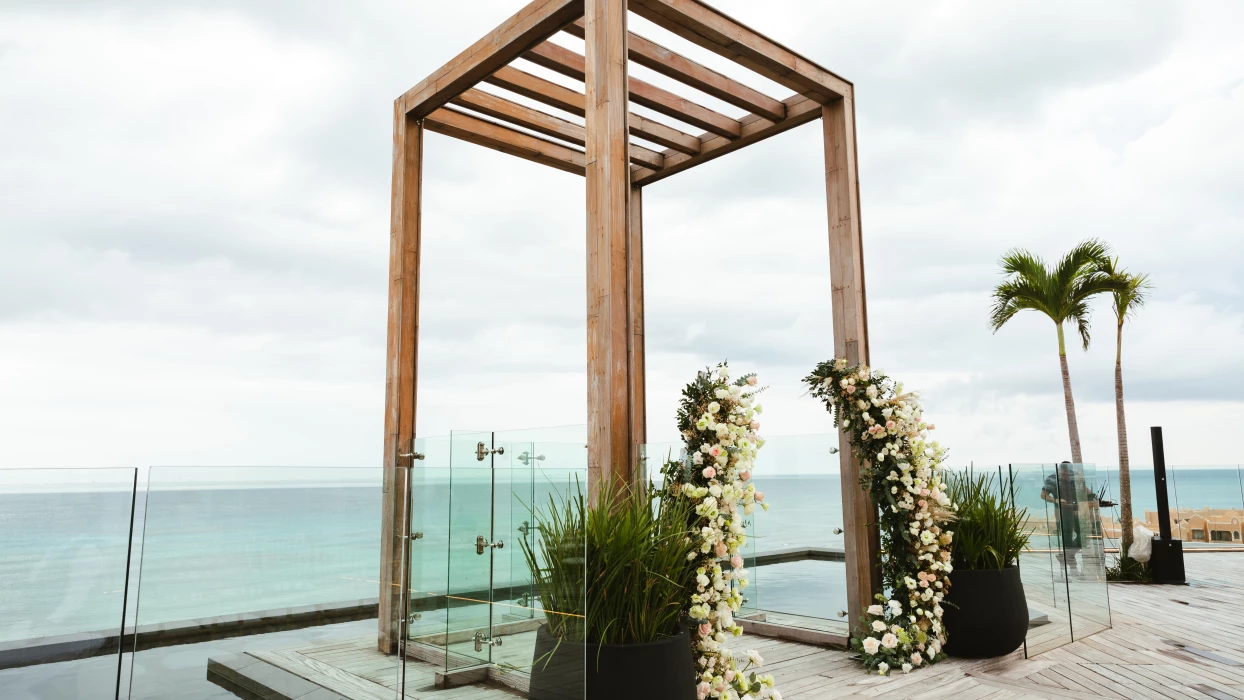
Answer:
(1176, 642)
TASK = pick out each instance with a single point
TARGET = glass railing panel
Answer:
(1042, 567)
(799, 576)
(552, 658)
(1083, 549)
(260, 580)
(64, 546)
(429, 548)
(1207, 506)
(470, 554)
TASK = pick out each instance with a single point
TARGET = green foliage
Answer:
(557, 562)
(1133, 291)
(629, 558)
(1128, 569)
(990, 531)
(1061, 292)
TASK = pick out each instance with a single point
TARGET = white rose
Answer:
(889, 641)
(876, 610)
(871, 645)
(878, 625)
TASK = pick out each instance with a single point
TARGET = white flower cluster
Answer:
(886, 427)
(723, 443)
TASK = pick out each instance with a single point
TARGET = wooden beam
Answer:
(635, 351)
(697, 22)
(568, 63)
(799, 110)
(850, 320)
(572, 101)
(610, 441)
(547, 124)
(401, 366)
(530, 26)
(502, 138)
(688, 72)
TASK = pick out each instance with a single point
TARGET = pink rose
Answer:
(705, 629)
(701, 690)
(747, 474)
(760, 496)
(924, 492)
(714, 451)
(736, 561)
(923, 503)
(709, 472)
(850, 389)
(751, 381)
(755, 425)
(721, 549)
(728, 675)
(930, 426)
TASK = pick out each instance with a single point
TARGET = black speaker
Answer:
(1167, 561)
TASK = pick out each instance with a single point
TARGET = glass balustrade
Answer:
(252, 579)
(1206, 504)
(64, 545)
(487, 506)
(241, 577)
(794, 556)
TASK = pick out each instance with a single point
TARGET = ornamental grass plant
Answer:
(616, 572)
(990, 532)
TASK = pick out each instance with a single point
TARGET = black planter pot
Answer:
(986, 613)
(562, 671)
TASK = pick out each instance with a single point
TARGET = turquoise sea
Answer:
(300, 538)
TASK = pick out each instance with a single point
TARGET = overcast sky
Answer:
(194, 229)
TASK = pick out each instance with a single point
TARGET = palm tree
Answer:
(1061, 292)
(1131, 296)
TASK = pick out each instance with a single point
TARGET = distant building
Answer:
(1193, 525)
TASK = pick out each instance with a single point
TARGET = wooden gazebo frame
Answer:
(616, 169)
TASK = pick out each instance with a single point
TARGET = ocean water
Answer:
(208, 543)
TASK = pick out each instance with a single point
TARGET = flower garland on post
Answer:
(903, 474)
(717, 420)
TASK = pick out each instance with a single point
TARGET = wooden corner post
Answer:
(609, 410)
(401, 363)
(846, 264)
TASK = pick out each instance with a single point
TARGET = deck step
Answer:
(250, 678)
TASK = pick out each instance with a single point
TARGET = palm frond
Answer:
(1134, 296)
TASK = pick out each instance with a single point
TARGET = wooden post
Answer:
(846, 264)
(635, 309)
(608, 204)
(401, 362)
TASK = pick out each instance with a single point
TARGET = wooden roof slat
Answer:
(451, 122)
(547, 124)
(697, 22)
(669, 63)
(571, 64)
(563, 98)
(800, 110)
(530, 26)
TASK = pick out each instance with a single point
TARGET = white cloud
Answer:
(194, 229)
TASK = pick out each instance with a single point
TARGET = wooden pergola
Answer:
(616, 169)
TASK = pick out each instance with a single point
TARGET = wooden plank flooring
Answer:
(1167, 643)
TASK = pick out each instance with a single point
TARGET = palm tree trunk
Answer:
(1125, 473)
(1072, 429)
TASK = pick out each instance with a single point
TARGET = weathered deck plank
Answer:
(1141, 657)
